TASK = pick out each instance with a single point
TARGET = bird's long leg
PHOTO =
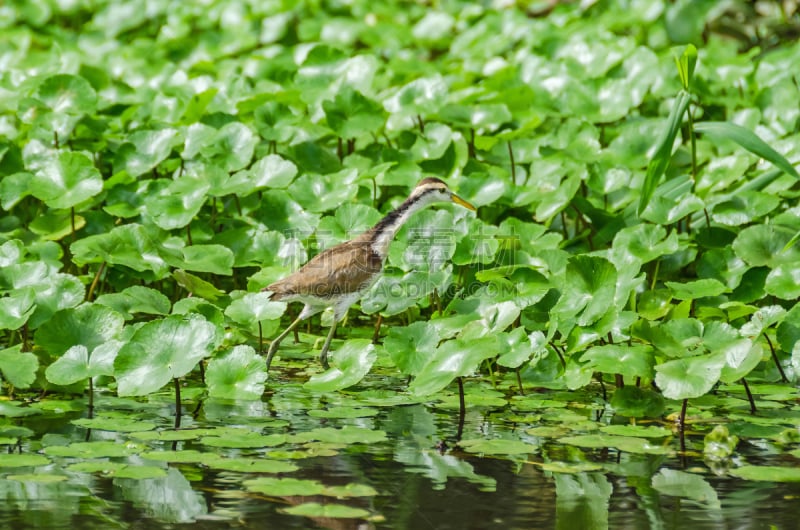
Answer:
(323, 356)
(275, 343)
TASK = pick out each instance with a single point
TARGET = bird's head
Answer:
(431, 190)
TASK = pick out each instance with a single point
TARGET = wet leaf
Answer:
(454, 358)
(351, 362)
(100, 449)
(160, 351)
(115, 424)
(66, 180)
(22, 460)
(641, 431)
(689, 377)
(623, 443)
(345, 435)
(251, 465)
(284, 487)
(332, 511)
(767, 473)
(244, 439)
(238, 374)
(498, 446)
(136, 299)
(19, 368)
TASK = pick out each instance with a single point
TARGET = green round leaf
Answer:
(66, 180)
(239, 374)
(351, 362)
(162, 350)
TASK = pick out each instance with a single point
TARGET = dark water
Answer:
(420, 486)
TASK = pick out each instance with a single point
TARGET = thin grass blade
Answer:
(747, 139)
(660, 160)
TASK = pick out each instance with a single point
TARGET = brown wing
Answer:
(343, 269)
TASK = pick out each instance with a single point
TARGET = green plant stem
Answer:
(776, 360)
(749, 396)
(471, 144)
(91, 397)
(177, 403)
(656, 266)
(511, 162)
(682, 425)
(693, 141)
(260, 339)
(462, 407)
(377, 333)
(95, 281)
(519, 381)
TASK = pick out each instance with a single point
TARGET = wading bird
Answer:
(338, 276)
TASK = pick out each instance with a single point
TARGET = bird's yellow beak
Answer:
(461, 202)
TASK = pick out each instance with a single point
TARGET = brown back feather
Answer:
(342, 269)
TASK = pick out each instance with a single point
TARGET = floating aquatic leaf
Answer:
(38, 478)
(140, 472)
(251, 465)
(332, 511)
(186, 456)
(767, 473)
(115, 424)
(284, 487)
(22, 460)
(623, 443)
(101, 466)
(345, 435)
(99, 449)
(569, 467)
(498, 446)
(244, 439)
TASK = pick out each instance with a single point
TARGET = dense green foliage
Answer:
(161, 162)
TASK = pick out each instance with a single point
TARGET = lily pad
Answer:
(332, 511)
(498, 446)
(345, 435)
(114, 424)
(251, 465)
(22, 460)
(767, 473)
(623, 443)
(99, 449)
(39, 478)
(284, 487)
